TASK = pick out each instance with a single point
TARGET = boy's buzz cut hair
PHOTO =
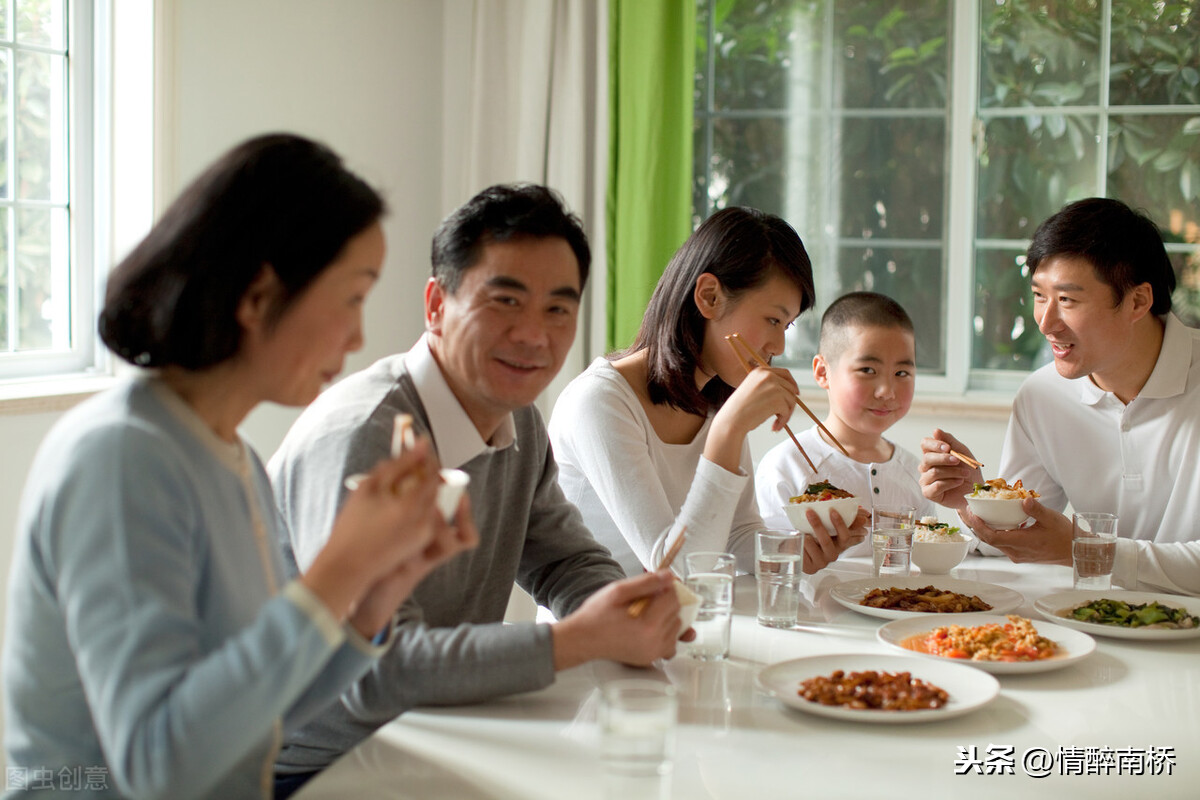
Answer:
(858, 309)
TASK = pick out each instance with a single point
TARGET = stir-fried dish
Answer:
(998, 489)
(816, 492)
(1015, 640)
(1132, 615)
(871, 690)
(924, 600)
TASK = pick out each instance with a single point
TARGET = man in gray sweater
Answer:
(500, 315)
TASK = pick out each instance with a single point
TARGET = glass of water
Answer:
(637, 726)
(779, 558)
(1093, 549)
(710, 576)
(891, 540)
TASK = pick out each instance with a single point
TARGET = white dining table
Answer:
(1124, 722)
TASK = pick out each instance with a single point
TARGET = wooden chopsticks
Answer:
(966, 459)
(757, 360)
(638, 606)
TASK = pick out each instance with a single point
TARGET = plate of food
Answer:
(999, 644)
(882, 689)
(1124, 615)
(901, 597)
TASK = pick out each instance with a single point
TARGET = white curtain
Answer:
(526, 99)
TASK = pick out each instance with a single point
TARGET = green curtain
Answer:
(652, 57)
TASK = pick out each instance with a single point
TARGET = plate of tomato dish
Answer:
(996, 644)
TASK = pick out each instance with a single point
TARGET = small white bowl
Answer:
(847, 508)
(1001, 514)
(938, 558)
(454, 483)
(689, 606)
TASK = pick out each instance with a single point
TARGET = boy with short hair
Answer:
(867, 364)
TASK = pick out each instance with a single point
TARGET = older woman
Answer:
(654, 439)
(153, 636)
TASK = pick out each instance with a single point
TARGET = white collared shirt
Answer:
(1074, 442)
(458, 440)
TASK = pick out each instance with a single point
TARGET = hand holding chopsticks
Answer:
(755, 359)
(638, 606)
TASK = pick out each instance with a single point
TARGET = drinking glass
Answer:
(1093, 549)
(637, 726)
(778, 568)
(891, 540)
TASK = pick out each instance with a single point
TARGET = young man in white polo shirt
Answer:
(1114, 424)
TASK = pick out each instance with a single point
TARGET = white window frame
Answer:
(112, 119)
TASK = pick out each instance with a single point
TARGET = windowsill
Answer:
(46, 395)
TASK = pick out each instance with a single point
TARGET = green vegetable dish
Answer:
(1133, 615)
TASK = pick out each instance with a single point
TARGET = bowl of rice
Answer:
(999, 504)
(822, 498)
(937, 547)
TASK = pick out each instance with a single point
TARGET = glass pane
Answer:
(1005, 334)
(700, 208)
(5, 73)
(893, 53)
(761, 47)
(747, 167)
(42, 280)
(1030, 167)
(5, 5)
(1039, 53)
(1186, 300)
(41, 139)
(42, 22)
(893, 178)
(1155, 58)
(1154, 164)
(911, 277)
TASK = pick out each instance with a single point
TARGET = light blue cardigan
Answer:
(145, 639)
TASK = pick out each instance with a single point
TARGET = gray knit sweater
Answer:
(451, 646)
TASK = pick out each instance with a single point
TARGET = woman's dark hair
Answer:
(742, 248)
(1123, 246)
(277, 201)
(502, 213)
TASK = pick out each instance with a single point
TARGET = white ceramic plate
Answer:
(1072, 645)
(1052, 605)
(851, 593)
(968, 688)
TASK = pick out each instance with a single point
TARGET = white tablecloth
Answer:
(1124, 722)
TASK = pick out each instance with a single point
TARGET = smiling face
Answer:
(296, 355)
(1088, 334)
(760, 316)
(503, 335)
(870, 378)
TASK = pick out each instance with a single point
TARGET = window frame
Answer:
(88, 142)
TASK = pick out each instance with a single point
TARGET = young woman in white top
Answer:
(653, 440)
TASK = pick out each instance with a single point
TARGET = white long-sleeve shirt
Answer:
(636, 491)
(1077, 443)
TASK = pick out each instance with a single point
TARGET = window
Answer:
(47, 235)
(916, 145)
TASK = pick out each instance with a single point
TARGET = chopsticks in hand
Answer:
(638, 606)
(970, 462)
